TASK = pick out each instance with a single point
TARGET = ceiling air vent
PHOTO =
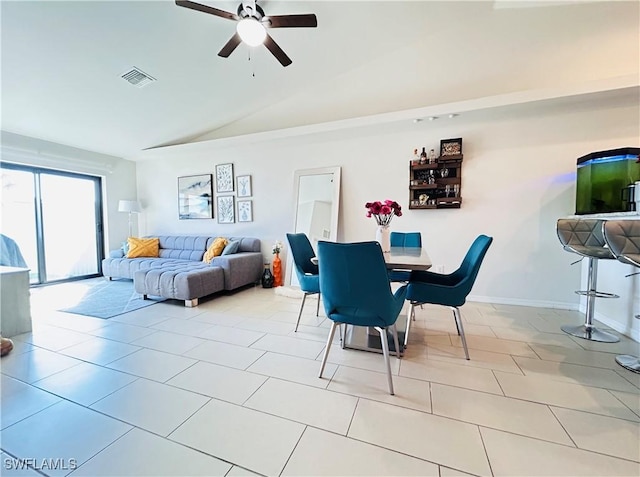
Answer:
(138, 78)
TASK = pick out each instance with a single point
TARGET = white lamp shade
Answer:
(131, 206)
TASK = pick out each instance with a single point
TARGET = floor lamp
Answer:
(132, 207)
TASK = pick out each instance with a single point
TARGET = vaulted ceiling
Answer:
(62, 64)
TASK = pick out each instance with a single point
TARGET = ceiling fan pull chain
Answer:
(253, 71)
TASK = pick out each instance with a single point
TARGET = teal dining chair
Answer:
(356, 291)
(306, 271)
(404, 239)
(448, 289)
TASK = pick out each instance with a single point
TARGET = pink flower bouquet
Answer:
(383, 212)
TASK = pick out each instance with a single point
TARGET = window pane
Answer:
(18, 219)
(69, 224)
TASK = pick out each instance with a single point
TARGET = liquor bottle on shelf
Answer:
(432, 156)
(416, 157)
(423, 156)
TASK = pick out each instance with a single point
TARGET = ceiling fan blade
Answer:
(231, 45)
(280, 55)
(206, 9)
(291, 21)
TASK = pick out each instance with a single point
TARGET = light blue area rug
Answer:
(102, 298)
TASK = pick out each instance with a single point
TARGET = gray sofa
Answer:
(179, 272)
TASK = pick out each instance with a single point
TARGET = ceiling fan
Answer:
(252, 24)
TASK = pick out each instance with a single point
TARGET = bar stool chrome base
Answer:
(590, 333)
(632, 363)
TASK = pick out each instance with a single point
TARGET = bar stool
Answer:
(584, 237)
(623, 238)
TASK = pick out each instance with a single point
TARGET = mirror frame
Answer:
(335, 205)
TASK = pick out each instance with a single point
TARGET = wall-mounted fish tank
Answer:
(606, 180)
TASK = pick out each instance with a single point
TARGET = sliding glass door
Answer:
(19, 221)
(55, 219)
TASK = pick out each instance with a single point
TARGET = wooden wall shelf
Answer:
(436, 185)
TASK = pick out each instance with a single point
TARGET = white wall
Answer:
(518, 178)
(118, 175)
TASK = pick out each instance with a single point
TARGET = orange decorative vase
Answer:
(277, 271)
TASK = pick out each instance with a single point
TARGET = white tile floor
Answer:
(227, 388)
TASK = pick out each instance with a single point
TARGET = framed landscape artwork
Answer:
(245, 211)
(244, 186)
(226, 209)
(224, 178)
(195, 197)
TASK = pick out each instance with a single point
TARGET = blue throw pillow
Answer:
(232, 247)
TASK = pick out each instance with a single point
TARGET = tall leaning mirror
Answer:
(316, 195)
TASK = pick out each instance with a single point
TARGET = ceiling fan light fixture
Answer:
(251, 31)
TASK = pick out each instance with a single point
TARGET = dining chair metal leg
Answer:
(458, 319)
(326, 350)
(385, 352)
(396, 342)
(304, 297)
(318, 305)
(409, 316)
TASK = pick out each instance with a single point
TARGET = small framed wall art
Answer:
(226, 209)
(224, 178)
(245, 211)
(195, 197)
(451, 147)
(244, 186)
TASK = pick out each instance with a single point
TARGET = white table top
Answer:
(407, 258)
(404, 258)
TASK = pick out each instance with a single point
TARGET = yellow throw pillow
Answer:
(143, 247)
(215, 249)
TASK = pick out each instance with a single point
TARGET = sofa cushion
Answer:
(179, 281)
(183, 247)
(126, 267)
(232, 247)
(142, 247)
(247, 244)
(215, 250)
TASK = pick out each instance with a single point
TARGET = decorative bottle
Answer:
(423, 156)
(267, 277)
(277, 271)
(416, 157)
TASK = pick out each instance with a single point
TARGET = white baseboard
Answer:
(521, 302)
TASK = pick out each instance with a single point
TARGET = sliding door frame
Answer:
(39, 225)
